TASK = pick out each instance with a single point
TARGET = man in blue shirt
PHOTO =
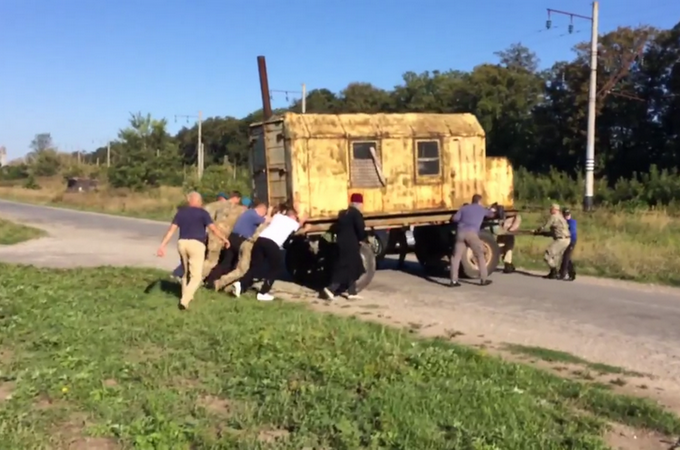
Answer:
(244, 228)
(192, 222)
(469, 219)
(567, 271)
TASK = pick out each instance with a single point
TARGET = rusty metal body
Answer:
(412, 169)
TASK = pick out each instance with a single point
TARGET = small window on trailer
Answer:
(428, 158)
(363, 169)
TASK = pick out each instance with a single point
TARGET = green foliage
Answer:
(656, 188)
(31, 183)
(89, 343)
(148, 157)
(45, 162)
(218, 179)
(14, 172)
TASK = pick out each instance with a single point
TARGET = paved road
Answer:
(619, 323)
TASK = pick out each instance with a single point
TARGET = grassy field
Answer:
(102, 359)
(643, 246)
(14, 233)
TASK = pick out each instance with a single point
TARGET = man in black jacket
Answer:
(350, 231)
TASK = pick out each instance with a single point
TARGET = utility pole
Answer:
(592, 98)
(200, 155)
(108, 154)
(304, 98)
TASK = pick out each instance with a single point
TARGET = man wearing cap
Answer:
(567, 271)
(556, 226)
(350, 231)
(224, 202)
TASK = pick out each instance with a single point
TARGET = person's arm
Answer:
(167, 237)
(456, 217)
(359, 226)
(545, 227)
(210, 225)
(516, 222)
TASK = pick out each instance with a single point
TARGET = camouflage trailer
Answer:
(412, 170)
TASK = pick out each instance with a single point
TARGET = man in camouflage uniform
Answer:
(243, 263)
(556, 226)
(225, 223)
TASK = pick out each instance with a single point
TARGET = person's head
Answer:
(555, 209)
(247, 202)
(194, 199)
(222, 197)
(356, 200)
(260, 208)
(476, 199)
(566, 212)
(234, 197)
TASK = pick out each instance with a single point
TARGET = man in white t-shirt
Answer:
(267, 253)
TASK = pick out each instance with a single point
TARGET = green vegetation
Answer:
(14, 233)
(90, 354)
(550, 355)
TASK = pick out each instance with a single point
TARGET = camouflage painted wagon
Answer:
(412, 169)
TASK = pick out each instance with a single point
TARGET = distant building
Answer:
(3, 156)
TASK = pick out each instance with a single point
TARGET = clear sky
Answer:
(77, 68)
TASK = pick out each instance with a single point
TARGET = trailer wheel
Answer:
(492, 253)
(432, 248)
(370, 266)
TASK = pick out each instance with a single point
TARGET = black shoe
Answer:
(454, 284)
(508, 268)
(552, 275)
(485, 282)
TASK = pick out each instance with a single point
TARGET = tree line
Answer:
(536, 118)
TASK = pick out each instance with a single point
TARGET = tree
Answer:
(149, 156)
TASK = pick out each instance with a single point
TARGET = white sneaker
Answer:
(265, 297)
(237, 289)
(354, 297)
(328, 293)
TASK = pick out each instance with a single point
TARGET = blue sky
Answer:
(77, 68)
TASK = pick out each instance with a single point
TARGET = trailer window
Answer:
(427, 158)
(363, 171)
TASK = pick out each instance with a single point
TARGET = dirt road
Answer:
(622, 324)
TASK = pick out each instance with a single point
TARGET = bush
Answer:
(654, 189)
(218, 179)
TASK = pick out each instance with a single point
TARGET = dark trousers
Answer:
(228, 258)
(567, 266)
(351, 287)
(266, 258)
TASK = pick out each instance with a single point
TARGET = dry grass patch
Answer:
(154, 204)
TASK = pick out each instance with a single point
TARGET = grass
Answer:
(642, 246)
(92, 354)
(549, 355)
(13, 233)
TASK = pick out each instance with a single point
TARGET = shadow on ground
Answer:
(165, 286)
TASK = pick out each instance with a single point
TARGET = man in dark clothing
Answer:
(192, 222)
(350, 231)
(469, 219)
(567, 271)
(243, 229)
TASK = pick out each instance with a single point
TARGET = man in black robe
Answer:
(350, 231)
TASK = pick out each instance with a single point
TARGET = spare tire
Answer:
(370, 266)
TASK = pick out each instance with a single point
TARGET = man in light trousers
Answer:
(469, 219)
